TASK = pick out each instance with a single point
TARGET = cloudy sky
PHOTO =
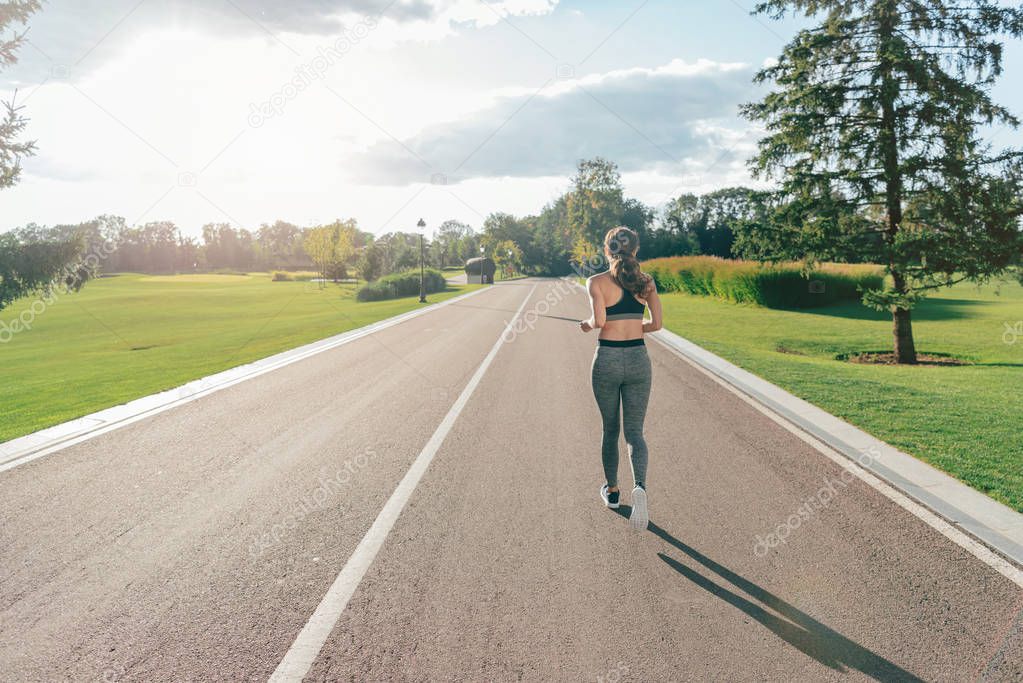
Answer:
(247, 111)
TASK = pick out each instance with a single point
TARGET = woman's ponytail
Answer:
(621, 245)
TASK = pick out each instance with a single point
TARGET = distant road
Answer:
(197, 544)
(459, 279)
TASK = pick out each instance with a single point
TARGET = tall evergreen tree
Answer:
(12, 122)
(874, 130)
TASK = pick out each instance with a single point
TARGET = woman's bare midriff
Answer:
(619, 330)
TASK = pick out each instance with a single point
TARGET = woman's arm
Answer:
(654, 303)
(598, 315)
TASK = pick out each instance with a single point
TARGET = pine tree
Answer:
(874, 131)
(12, 122)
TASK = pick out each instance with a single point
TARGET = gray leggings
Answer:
(621, 384)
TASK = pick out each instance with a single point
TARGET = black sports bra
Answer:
(626, 308)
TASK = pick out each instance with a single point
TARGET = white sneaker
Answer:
(640, 516)
(610, 498)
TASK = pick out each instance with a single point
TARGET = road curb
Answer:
(995, 525)
(32, 446)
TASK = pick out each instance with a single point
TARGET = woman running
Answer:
(621, 366)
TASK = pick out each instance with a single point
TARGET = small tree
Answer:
(330, 247)
(873, 132)
(320, 248)
(371, 262)
(507, 256)
(451, 243)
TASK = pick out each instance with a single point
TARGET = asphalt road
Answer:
(196, 544)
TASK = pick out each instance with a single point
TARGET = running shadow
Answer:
(797, 628)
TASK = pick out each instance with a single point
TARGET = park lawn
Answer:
(129, 335)
(966, 421)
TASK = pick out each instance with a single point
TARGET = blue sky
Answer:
(187, 110)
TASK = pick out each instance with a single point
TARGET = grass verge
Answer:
(132, 335)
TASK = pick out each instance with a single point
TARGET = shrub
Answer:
(775, 286)
(281, 276)
(401, 284)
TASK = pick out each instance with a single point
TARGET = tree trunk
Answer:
(905, 352)
(902, 330)
(902, 325)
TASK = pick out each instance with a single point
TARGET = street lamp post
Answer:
(422, 262)
(482, 276)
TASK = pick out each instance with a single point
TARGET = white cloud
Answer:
(80, 35)
(669, 118)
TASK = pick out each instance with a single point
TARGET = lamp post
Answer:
(422, 262)
(482, 276)
(510, 267)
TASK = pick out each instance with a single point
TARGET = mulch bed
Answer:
(870, 358)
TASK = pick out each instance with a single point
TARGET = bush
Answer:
(281, 276)
(775, 286)
(303, 275)
(401, 284)
(337, 272)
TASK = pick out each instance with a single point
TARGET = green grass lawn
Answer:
(967, 420)
(130, 335)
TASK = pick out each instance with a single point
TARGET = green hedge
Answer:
(402, 284)
(774, 286)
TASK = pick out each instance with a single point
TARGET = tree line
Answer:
(542, 244)
(569, 230)
(159, 247)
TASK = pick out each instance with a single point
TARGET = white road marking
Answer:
(306, 648)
